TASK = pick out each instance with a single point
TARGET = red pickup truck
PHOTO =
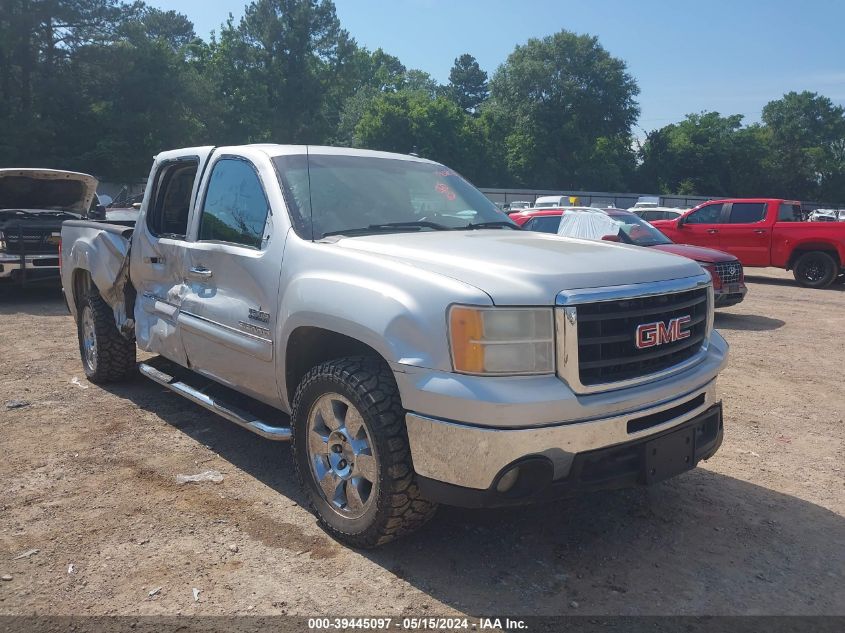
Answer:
(765, 232)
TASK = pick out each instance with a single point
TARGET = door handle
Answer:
(200, 271)
(712, 231)
(760, 231)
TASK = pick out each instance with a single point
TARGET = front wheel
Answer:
(351, 453)
(815, 269)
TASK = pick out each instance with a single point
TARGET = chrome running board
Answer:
(223, 409)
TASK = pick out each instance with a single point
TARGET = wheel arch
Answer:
(809, 247)
(308, 346)
(81, 284)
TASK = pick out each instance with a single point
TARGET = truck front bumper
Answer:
(533, 477)
(15, 268)
(580, 442)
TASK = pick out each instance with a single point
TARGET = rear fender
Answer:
(104, 254)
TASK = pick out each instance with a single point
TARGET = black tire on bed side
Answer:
(107, 355)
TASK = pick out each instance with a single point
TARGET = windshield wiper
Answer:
(391, 226)
(495, 224)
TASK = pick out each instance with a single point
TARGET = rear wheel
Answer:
(351, 453)
(815, 269)
(107, 356)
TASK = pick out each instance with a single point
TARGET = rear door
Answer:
(746, 233)
(702, 227)
(232, 270)
(158, 249)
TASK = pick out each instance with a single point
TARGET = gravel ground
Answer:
(92, 520)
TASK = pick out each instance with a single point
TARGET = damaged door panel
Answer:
(158, 260)
(227, 317)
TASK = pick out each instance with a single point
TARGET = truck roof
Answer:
(786, 200)
(275, 149)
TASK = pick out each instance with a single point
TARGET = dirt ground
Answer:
(87, 478)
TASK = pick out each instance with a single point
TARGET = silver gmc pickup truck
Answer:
(414, 344)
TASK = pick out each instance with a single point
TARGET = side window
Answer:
(747, 212)
(543, 224)
(168, 216)
(235, 207)
(789, 212)
(711, 214)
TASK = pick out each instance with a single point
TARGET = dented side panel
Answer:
(103, 251)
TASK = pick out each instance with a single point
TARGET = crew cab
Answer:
(412, 343)
(33, 205)
(627, 228)
(764, 232)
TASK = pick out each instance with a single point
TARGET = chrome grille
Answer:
(729, 272)
(30, 241)
(597, 332)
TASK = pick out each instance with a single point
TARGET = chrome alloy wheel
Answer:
(341, 456)
(89, 339)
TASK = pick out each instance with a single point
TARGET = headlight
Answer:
(502, 341)
(711, 268)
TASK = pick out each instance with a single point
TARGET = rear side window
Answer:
(747, 212)
(235, 207)
(711, 214)
(789, 212)
(549, 224)
(168, 216)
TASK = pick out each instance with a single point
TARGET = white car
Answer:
(551, 202)
(824, 215)
(657, 213)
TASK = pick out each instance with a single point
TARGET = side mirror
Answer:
(682, 219)
(136, 205)
(98, 213)
(611, 238)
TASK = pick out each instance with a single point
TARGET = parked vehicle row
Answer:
(628, 228)
(765, 232)
(415, 345)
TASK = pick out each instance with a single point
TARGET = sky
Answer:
(687, 56)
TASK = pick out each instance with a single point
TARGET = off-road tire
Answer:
(820, 261)
(115, 354)
(370, 386)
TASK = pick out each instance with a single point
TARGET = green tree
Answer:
(437, 128)
(467, 83)
(143, 96)
(807, 139)
(557, 97)
(705, 154)
(38, 93)
(275, 70)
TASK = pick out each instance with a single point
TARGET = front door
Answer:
(157, 253)
(232, 270)
(745, 233)
(701, 227)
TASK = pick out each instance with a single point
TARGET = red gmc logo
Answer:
(658, 333)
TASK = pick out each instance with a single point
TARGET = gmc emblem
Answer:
(658, 333)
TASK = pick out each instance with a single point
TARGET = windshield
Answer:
(330, 194)
(634, 230)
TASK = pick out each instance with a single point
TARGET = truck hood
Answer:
(524, 268)
(46, 189)
(698, 253)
